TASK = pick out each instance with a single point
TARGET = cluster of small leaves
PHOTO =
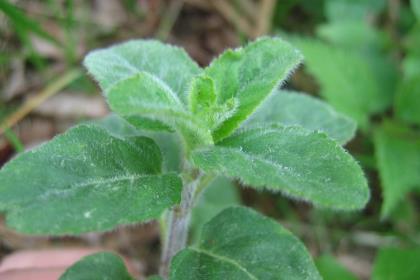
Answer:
(128, 169)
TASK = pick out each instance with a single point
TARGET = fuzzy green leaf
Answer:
(86, 180)
(240, 244)
(171, 65)
(393, 263)
(145, 96)
(296, 161)
(397, 151)
(98, 266)
(292, 108)
(248, 75)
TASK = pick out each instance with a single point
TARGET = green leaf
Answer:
(102, 265)
(352, 10)
(408, 99)
(331, 269)
(168, 143)
(397, 151)
(169, 64)
(204, 106)
(296, 161)
(86, 180)
(393, 263)
(353, 35)
(211, 202)
(354, 84)
(241, 244)
(292, 108)
(246, 76)
(145, 96)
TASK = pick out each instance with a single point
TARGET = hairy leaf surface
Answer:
(145, 96)
(103, 265)
(292, 108)
(240, 244)
(170, 64)
(248, 75)
(86, 180)
(296, 161)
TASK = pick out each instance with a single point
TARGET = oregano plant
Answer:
(177, 129)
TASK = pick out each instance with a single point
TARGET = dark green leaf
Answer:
(296, 161)
(86, 180)
(330, 269)
(241, 244)
(354, 84)
(408, 99)
(401, 264)
(397, 151)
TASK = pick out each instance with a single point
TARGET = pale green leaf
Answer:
(145, 96)
(393, 263)
(298, 162)
(240, 244)
(102, 266)
(331, 269)
(170, 64)
(86, 180)
(354, 84)
(353, 35)
(211, 202)
(246, 76)
(292, 108)
(397, 151)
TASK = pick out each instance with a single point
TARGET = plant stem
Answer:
(178, 220)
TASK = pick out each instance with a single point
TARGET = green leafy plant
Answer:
(180, 128)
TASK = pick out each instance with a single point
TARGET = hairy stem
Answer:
(178, 220)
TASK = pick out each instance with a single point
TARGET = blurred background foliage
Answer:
(361, 56)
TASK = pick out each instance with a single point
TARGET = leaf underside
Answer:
(298, 162)
(241, 244)
(86, 180)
